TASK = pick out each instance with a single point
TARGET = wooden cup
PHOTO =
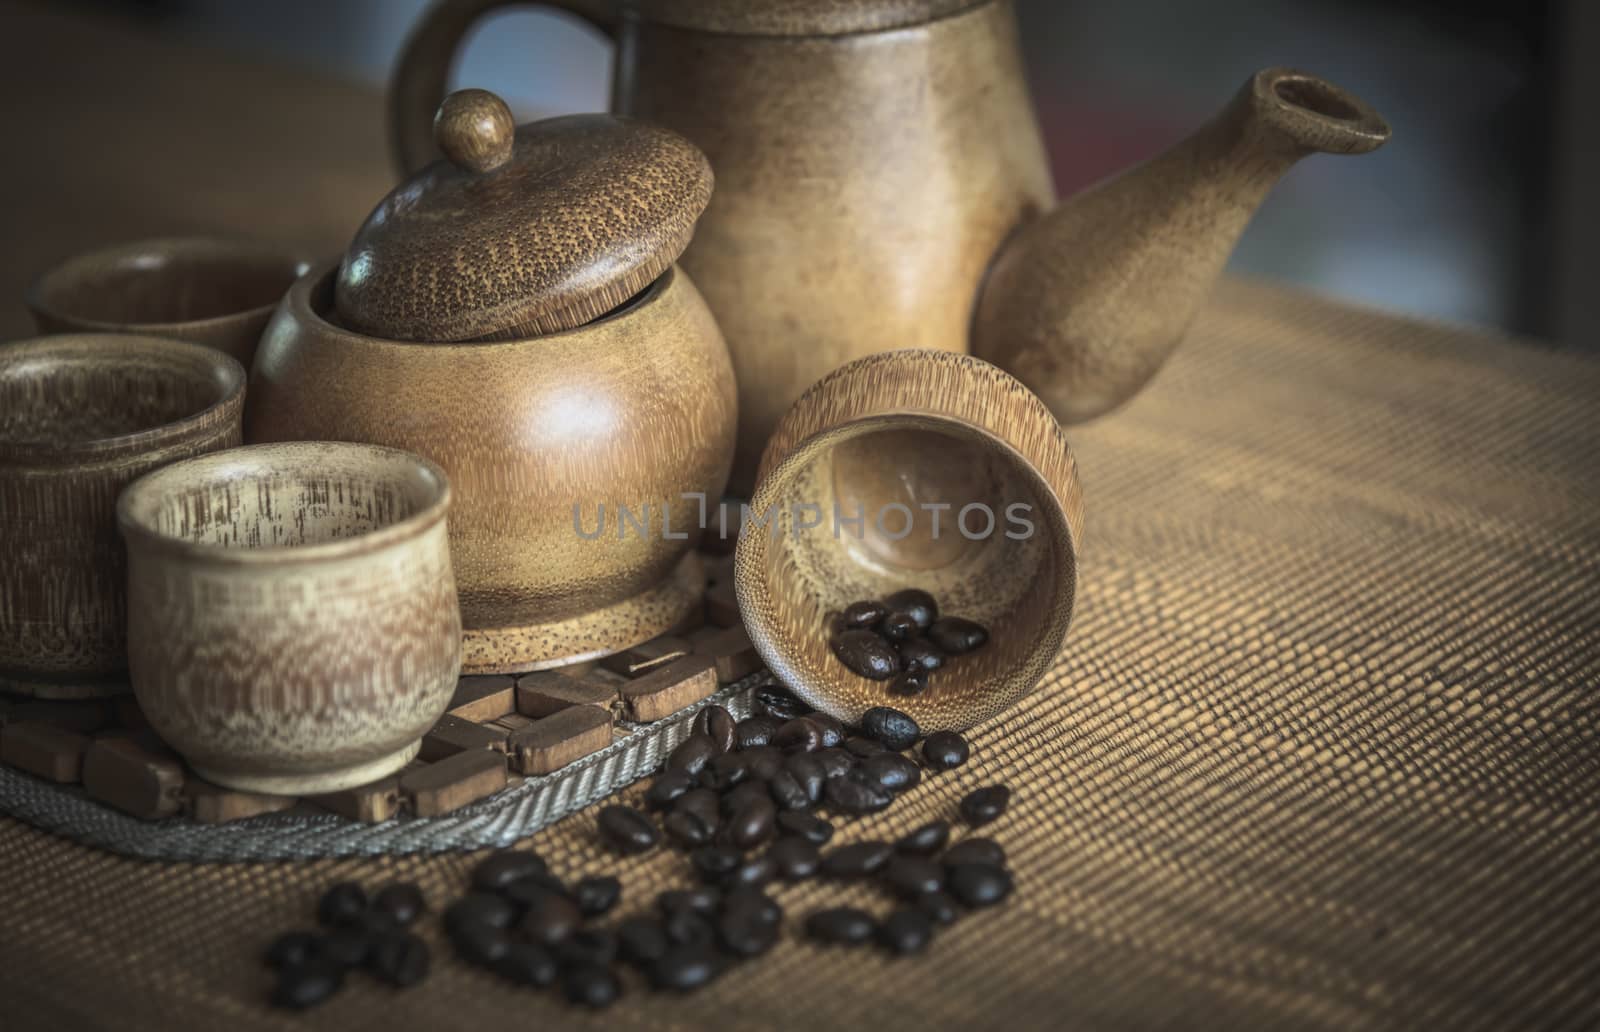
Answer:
(80, 417)
(293, 626)
(215, 291)
(892, 438)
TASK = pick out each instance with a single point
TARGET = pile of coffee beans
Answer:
(357, 933)
(744, 801)
(902, 639)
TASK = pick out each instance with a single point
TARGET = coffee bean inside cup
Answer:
(902, 639)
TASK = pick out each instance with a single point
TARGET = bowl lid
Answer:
(521, 231)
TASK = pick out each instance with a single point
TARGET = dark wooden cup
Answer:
(80, 416)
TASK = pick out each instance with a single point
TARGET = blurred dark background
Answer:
(1477, 211)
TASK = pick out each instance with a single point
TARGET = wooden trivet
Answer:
(497, 730)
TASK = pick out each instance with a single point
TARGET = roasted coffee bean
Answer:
(919, 605)
(891, 770)
(714, 863)
(978, 885)
(855, 794)
(591, 986)
(668, 787)
(341, 902)
(906, 931)
(402, 901)
(813, 829)
(861, 747)
(399, 958)
(686, 927)
(857, 860)
(975, 850)
(703, 803)
(911, 877)
(370, 923)
(926, 840)
(481, 908)
(717, 724)
(535, 888)
(686, 829)
(753, 823)
(944, 750)
(479, 944)
(899, 626)
(957, 637)
(527, 963)
(641, 941)
(749, 898)
(775, 701)
(551, 920)
(588, 946)
(920, 654)
(832, 731)
(703, 899)
(862, 615)
(756, 871)
(788, 793)
(808, 772)
(291, 949)
(866, 655)
(909, 682)
(692, 754)
(737, 797)
(685, 968)
(724, 772)
(895, 730)
(742, 933)
(763, 761)
(627, 830)
(306, 985)
(795, 858)
(798, 735)
(495, 872)
(982, 805)
(597, 894)
(757, 730)
(843, 925)
(940, 908)
(836, 762)
(345, 946)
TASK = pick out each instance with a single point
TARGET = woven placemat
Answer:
(1320, 753)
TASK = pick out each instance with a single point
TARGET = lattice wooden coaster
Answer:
(496, 731)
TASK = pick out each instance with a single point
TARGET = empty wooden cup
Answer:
(292, 623)
(216, 291)
(913, 469)
(80, 417)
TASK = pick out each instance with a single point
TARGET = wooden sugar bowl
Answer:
(914, 469)
(514, 314)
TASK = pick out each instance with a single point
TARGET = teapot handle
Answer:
(420, 77)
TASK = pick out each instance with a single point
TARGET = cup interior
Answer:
(166, 282)
(305, 498)
(57, 392)
(909, 502)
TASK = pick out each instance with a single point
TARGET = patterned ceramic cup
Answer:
(293, 622)
(82, 415)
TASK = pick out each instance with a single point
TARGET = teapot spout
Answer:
(1086, 303)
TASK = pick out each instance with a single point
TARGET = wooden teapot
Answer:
(882, 184)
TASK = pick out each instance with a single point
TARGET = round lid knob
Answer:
(475, 130)
(521, 231)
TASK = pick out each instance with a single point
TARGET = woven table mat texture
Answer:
(1320, 751)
